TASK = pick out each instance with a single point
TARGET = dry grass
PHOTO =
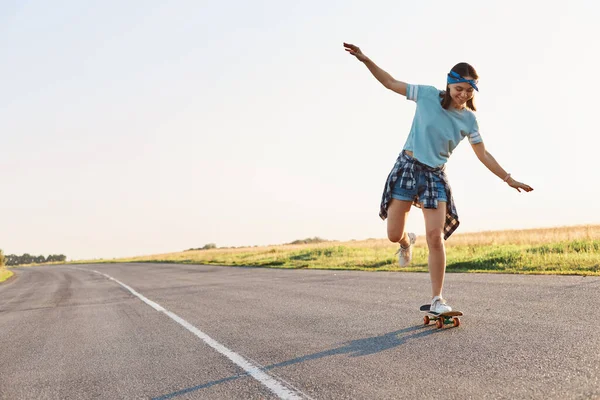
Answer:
(561, 250)
(527, 236)
(515, 237)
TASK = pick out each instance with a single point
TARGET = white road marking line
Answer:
(256, 372)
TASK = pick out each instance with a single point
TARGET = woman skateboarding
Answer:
(442, 119)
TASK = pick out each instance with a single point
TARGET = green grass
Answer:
(5, 274)
(574, 257)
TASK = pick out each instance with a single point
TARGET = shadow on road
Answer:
(354, 348)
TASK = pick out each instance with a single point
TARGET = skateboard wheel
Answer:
(456, 321)
(426, 320)
(439, 323)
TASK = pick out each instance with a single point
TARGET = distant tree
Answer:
(26, 259)
(12, 259)
(56, 258)
(205, 247)
(2, 259)
(315, 239)
(39, 259)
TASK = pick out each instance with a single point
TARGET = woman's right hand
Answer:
(355, 51)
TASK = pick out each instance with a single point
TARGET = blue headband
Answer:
(453, 77)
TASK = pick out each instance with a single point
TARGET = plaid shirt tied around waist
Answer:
(405, 173)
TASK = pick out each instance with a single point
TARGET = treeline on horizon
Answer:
(12, 260)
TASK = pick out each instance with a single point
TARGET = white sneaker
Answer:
(438, 305)
(405, 254)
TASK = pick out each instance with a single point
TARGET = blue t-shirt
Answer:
(436, 132)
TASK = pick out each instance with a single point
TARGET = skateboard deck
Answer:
(440, 319)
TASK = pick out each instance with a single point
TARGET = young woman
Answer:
(442, 119)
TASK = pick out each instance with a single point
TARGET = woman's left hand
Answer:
(518, 185)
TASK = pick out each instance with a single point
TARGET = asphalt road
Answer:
(209, 332)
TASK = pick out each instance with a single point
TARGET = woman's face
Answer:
(461, 93)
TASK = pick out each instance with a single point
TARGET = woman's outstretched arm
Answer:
(386, 79)
(490, 162)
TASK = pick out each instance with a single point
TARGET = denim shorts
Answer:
(399, 193)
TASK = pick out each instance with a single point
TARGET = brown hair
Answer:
(463, 69)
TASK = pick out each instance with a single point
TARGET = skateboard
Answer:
(440, 319)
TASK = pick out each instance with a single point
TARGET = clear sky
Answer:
(142, 127)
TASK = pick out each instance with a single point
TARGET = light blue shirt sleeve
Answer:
(418, 92)
(474, 135)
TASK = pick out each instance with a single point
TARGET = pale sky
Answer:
(143, 127)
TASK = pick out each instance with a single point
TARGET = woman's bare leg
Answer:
(434, 228)
(396, 221)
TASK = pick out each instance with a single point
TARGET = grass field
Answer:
(5, 274)
(563, 250)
